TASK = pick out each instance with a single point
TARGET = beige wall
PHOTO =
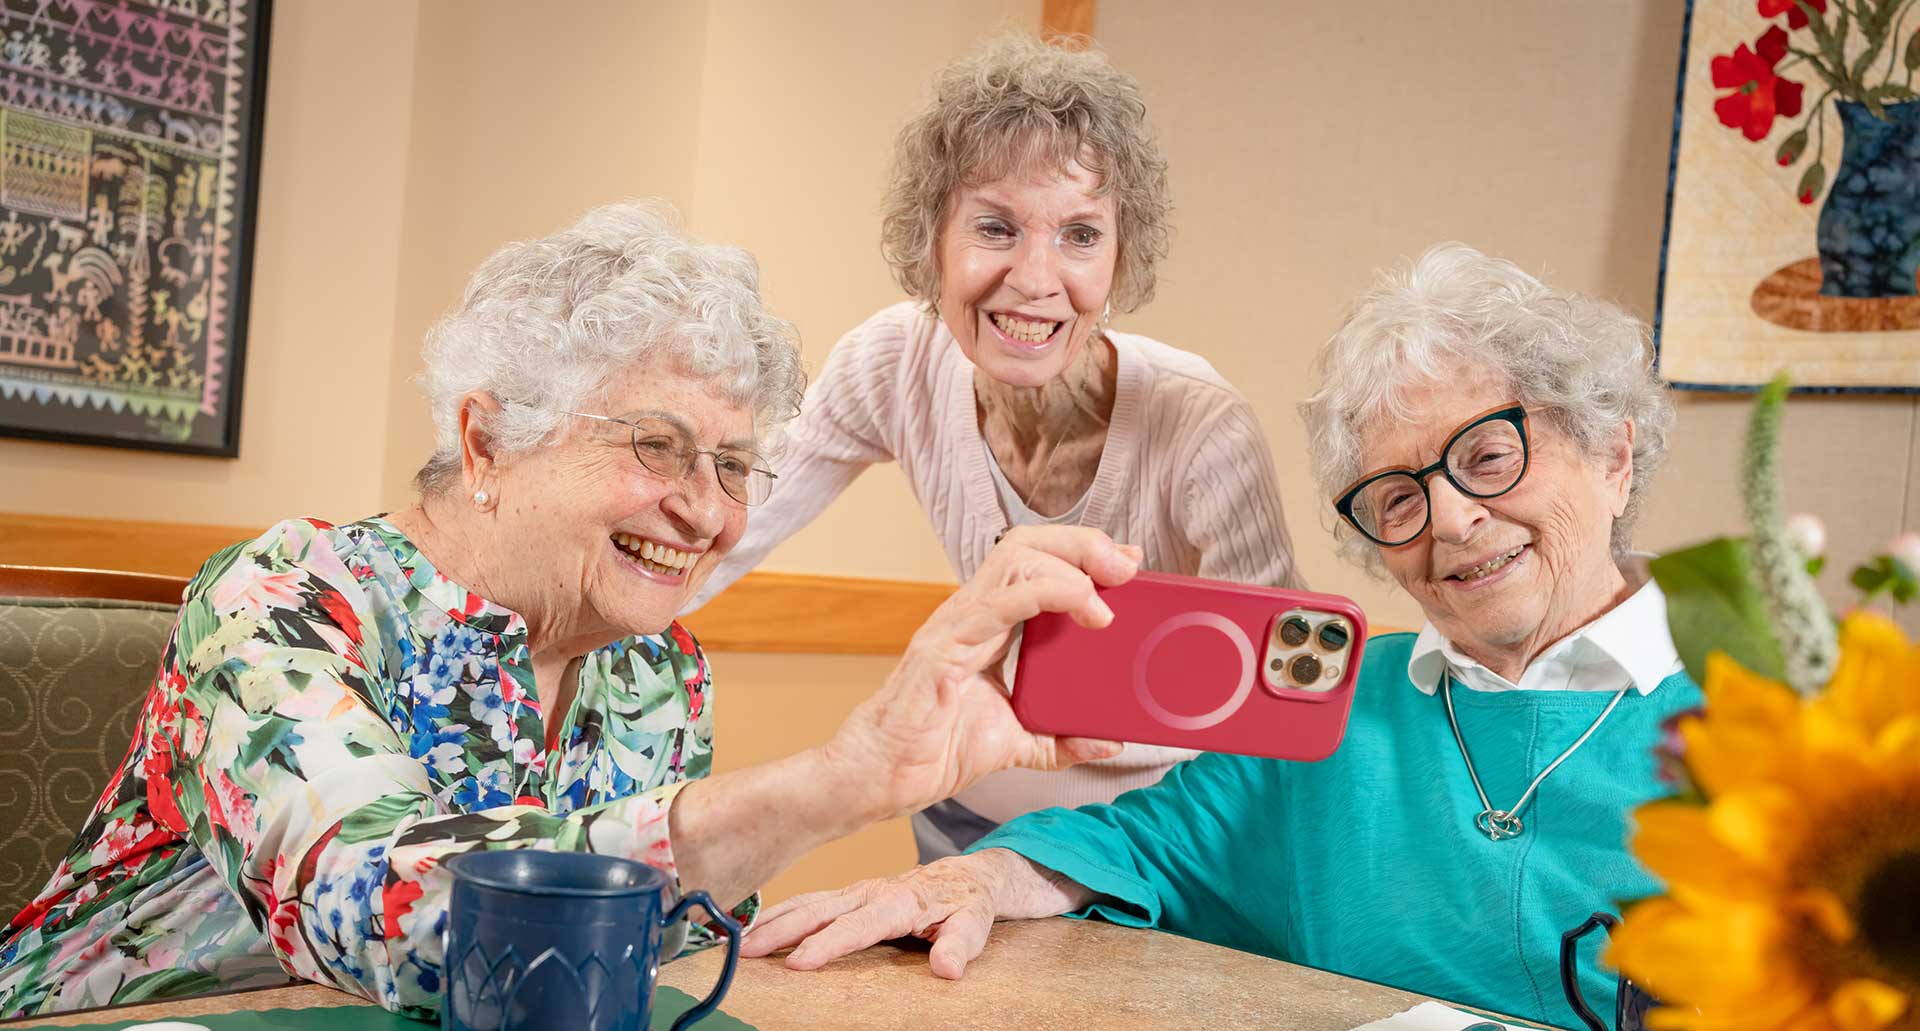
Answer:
(1310, 144)
(324, 279)
(520, 125)
(1313, 143)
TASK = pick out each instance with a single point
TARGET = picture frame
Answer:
(130, 135)
(1793, 190)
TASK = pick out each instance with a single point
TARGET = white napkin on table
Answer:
(1434, 1016)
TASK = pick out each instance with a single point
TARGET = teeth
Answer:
(1025, 330)
(657, 557)
(1489, 567)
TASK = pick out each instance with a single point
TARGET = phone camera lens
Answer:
(1294, 631)
(1333, 636)
(1304, 669)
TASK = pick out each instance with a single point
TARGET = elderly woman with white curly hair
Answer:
(342, 708)
(1486, 441)
(1029, 206)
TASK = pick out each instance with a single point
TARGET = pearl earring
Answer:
(479, 497)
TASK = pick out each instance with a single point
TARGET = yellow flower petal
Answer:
(1863, 1004)
(1749, 719)
(1826, 911)
(1675, 841)
(1877, 679)
(1733, 961)
(1763, 823)
(1900, 741)
(1760, 928)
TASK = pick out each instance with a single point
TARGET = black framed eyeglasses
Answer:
(664, 450)
(1485, 458)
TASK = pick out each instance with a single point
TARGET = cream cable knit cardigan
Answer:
(1186, 474)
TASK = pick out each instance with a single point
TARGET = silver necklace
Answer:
(1052, 454)
(1497, 824)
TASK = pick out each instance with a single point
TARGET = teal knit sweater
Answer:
(1368, 863)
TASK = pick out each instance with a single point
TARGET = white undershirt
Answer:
(1018, 514)
(1629, 645)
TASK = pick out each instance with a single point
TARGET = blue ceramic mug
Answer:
(563, 940)
(1630, 1001)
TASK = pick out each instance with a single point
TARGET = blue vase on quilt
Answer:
(1869, 232)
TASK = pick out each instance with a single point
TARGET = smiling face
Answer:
(1505, 577)
(1026, 266)
(616, 548)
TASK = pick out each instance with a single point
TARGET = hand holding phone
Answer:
(1195, 663)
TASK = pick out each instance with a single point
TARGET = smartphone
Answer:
(1195, 663)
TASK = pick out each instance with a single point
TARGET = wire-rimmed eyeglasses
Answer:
(664, 450)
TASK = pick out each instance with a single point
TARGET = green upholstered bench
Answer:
(78, 651)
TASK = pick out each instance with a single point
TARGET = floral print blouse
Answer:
(331, 720)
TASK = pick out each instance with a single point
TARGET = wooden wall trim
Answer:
(764, 612)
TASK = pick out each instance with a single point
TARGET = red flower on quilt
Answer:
(1796, 16)
(1759, 95)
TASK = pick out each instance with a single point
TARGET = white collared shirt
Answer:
(1628, 646)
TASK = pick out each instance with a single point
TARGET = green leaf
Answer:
(1713, 605)
(1868, 578)
(1913, 51)
(378, 818)
(1791, 148)
(1816, 564)
(1903, 582)
(1812, 183)
(165, 984)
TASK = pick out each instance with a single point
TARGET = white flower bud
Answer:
(1807, 534)
(1906, 548)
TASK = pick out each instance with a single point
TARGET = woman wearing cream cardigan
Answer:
(1028, 204)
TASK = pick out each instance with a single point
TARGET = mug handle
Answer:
(1570, 968)
(728, 924)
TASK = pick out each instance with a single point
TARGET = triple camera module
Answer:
(1306, 651)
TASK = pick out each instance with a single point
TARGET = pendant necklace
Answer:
(1045, 469)
(1498, 824)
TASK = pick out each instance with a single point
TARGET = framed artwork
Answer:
(1793, 204)
(129, 157)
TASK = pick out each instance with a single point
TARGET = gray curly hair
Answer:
(1015, 104)
(547, 323)
(1587, 362)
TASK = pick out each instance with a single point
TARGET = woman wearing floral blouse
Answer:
(340, 709)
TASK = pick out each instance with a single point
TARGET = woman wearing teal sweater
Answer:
(1486, 441)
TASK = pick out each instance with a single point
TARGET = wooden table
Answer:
(1035, 974)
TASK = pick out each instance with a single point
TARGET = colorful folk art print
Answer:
(129, 140)
(1793, 222)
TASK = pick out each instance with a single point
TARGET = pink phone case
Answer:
(1198, 664)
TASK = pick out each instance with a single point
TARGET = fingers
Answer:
(1046, 752)
(790, 922)
(1049, 586)
(1084, 749)
(891, 914)
(1085, 548)
(959, 940)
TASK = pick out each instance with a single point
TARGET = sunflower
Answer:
(1793, 873)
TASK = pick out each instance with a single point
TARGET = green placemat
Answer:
(668, 1003)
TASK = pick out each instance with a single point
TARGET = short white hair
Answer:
(1588, 363)
(547, 323)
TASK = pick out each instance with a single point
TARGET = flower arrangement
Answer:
(1791, 848)
(1852, 47)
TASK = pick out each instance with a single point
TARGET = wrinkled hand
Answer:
(943, 720)
(952, 903)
